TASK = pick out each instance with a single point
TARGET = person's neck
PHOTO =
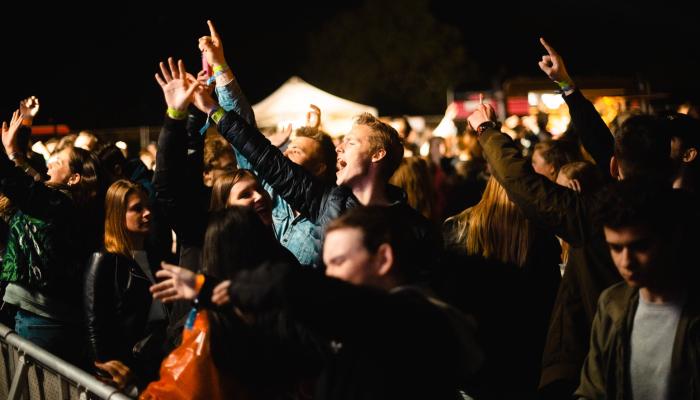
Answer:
(371, 192)
(137, 241)
(662, 294)
(685, 180)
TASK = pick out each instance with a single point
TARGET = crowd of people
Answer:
(359, 270)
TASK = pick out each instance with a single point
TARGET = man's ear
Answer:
(384, 260)
(378, 155)
(74, 179)
(690, 155)
(614, 168)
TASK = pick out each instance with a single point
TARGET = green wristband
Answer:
(217, 115)
(565, 86)
(220, 68)
(176, 114)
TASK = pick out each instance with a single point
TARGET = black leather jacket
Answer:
(319, 201)
(116, 305)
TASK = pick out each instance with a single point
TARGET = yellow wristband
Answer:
(219, 68)
(217, 115)
(176, 114)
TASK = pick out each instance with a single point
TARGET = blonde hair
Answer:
(117, 239)
(385, 137)
(496, 228)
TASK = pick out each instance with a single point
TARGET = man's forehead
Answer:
(359, 131)
(627, 234)
(346, 238)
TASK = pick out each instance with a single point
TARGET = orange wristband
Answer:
(199, 282)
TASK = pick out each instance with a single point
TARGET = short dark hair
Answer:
(383, 137)
(327, 154)
(684, 127)
(643, 148)
(639, 202)
(378, 226)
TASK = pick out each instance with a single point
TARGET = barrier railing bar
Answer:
(19, 379)
(83, 380)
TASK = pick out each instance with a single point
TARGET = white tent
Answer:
(290, 103)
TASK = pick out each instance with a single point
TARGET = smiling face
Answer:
(248, 193)
(138, 215)
(354, 156)
(59, 167)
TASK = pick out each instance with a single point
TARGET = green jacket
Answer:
(605, 373)
(590, 270)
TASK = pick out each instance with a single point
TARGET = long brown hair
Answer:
(117, 239)
(496, 228)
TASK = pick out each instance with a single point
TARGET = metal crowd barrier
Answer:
(29, 372)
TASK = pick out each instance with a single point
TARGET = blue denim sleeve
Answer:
(231, 97)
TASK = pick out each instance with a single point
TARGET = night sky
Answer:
(97, 72)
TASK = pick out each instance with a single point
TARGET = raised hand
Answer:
(203, 79)
(29, 107)
(313, 116)
(120, 373)
(220, 294)
(178, 284)
(553, 65)
(202, 98)
(177, 88)
(483, 113)
(9, 132)
(212, 47)
(279, 138)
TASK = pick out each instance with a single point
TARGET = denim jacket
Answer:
(297, 233)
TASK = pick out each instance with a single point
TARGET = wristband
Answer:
(199, 282)
(565, 86)
(217, 115)
(218, 69)
(176, 114)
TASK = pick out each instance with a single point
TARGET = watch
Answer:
(487, 125)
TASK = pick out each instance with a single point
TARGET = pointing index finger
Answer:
(549, 48)
(212, 31)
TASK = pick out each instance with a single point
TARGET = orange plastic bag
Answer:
(189, 371)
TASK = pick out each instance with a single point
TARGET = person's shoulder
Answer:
(616, 299)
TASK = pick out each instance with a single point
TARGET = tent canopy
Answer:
(290, 103)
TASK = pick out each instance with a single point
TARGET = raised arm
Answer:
(20, 184)
(180, 200)
(228, 91)
(298, 187)
(594, 133)
(542, 201)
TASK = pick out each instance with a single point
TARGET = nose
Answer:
(257, 196)
(146, 212)
(625, 258)
(340, 148)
